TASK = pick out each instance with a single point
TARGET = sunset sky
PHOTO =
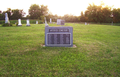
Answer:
(59, 7)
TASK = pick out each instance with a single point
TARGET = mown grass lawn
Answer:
(97, 52)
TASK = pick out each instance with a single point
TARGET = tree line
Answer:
(94, 13)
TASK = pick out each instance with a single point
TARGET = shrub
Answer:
(6, 24)
(16, 24)
(2, 21)
(41, 22)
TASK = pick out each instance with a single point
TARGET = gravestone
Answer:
(50, 20)
(19, 22)
(6, 18)
(85, 23)
(46, 25)
(36, 22)
(59, 36)
(28, 23)
(60, 22)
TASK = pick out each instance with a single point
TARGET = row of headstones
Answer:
(59, 21)
(19, 21)
(86, 23)
(28, 23)
(20, 24)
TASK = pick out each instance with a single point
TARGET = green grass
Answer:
(97, 53)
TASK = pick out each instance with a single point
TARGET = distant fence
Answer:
(22, 21)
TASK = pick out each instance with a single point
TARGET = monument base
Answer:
(74, 46)
(27, 25)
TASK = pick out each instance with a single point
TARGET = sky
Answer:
(59, 7)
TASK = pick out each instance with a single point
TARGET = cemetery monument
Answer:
(28, 23)
(60, 22)
(6, 18)
(50, 20)
(19, 22)
(85, 23)
(46, 25)
(36, 22)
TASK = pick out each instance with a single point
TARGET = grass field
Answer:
(97, 52)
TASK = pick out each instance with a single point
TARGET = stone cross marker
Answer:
(46, 25)
(6, 18)
(19, 22)
(28, 23)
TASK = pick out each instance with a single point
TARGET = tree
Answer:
(0, 12)
(54, 17)
(92, 12)
(43, 10)
(83, 18)
(66, 17)
(16, 14)
(37, 11)
(98, 13)
(106, 12)
(116, 15)
(70, 18)
(44, 13)
(2, 17)
(34, 11)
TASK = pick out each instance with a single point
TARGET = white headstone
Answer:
(36, 22)
(28, 23)
(46, 22)
(58, 21)
(50, 20)
(6, 18)
(19, 22)
(85, 23)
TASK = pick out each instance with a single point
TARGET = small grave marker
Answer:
(50, 20)
(28, 23)
(19, 22)
(36, 22)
